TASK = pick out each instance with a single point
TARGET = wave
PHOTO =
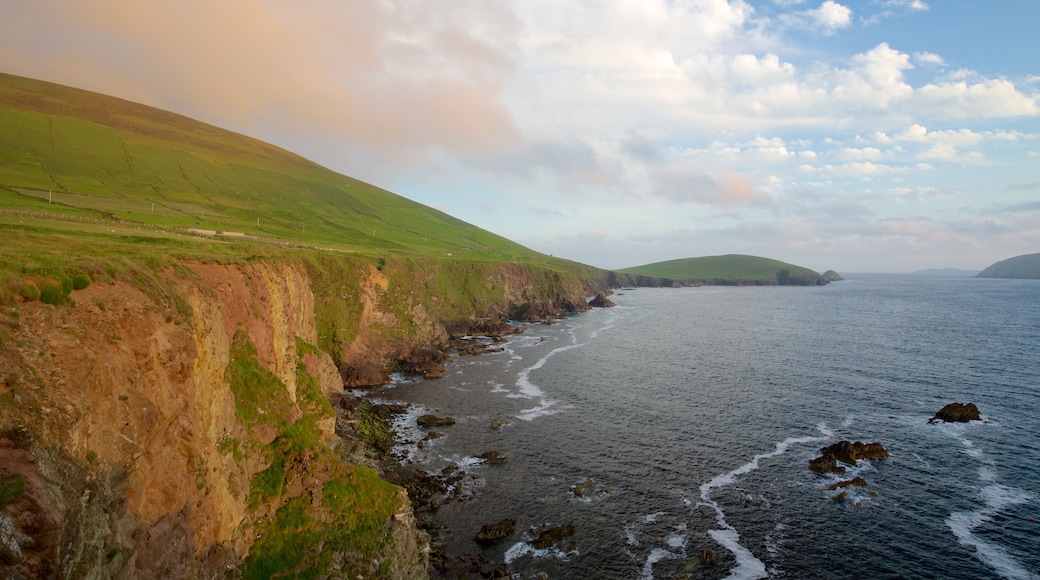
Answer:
(995, 497)
(528, 390)
(748, 566)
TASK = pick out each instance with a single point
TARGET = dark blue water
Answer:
(694, 413)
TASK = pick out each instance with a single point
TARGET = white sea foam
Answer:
(748, 566)
(520, 549)
(995, 498)
(656, 555)
(963, 524)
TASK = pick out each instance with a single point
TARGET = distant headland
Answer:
(1024, 267)
(725, 270)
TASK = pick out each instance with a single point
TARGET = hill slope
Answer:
(174, 405)
(77, 153)
(730, 268)
(1026, 266)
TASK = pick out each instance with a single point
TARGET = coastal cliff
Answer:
(177, 422)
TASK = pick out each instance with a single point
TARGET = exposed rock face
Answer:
(845, 452)
(428, 362)
(601, 301)
(957, 413)
(139, 457)
(132, 411)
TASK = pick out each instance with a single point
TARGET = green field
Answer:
(727, 267)
(80, 156)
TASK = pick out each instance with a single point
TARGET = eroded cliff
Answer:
(180, 426)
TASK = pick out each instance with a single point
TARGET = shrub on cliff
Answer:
(29, 291)
(54, 291)
(80, 281)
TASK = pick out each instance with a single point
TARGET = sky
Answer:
(859, 136)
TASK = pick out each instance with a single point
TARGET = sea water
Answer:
(690, 416)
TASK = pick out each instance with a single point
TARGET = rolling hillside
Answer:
(1022, 267)
(80, 155)
(730, 268)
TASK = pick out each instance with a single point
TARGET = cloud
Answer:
(929, 59)
(911, 5)
(831, 16)
(682, 183)
(390, 75)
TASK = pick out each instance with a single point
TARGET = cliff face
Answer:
(188, 432)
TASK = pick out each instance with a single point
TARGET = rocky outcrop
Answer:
(491, 533)
(957, 413)
(601, 301)
(141, 455)
(428, 362)
(845, 452)
(166, 422)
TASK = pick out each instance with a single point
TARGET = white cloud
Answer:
(912, 5)
(831, 16)
(929, 59)
(986, 98)
(852, 153)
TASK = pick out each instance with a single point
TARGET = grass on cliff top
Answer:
(730, 266)
(90, 160)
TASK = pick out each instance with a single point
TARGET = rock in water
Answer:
(601, 301)
(845, 452)
(434, 421)
(490, 533)
(957, 413)
(551, 537)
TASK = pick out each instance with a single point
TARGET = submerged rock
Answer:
(579, 489)
(854, 482)
(957, 413)
(552, 536)
(707, 557)
(499, 423)
(434, 421)
(493, 457)
(491, 533)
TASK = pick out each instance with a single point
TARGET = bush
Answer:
(53, 291)
(80, 281)
(29, 291)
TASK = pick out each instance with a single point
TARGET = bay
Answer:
(688, 417)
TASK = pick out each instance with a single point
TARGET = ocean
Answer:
(683, 420)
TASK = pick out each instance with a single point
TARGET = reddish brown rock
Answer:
(847, 453)
(957, 413)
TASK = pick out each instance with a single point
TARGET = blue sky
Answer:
(868, 136)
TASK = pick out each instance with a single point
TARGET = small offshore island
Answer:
(183, 309)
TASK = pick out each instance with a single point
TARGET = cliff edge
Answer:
(177, 422)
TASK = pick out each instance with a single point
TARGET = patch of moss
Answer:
(11, 487)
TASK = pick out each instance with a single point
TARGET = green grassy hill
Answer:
(730, 267)
(77, 155)
(1027, 266)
